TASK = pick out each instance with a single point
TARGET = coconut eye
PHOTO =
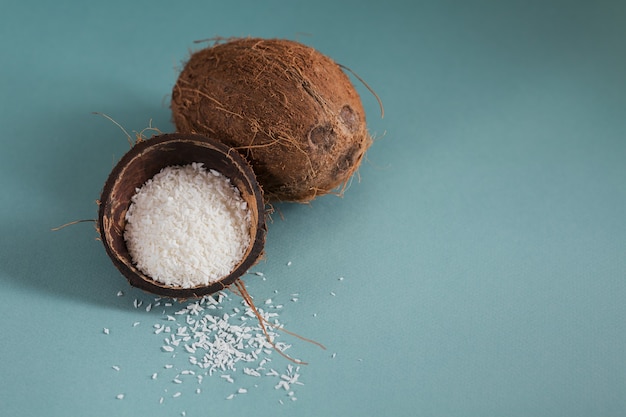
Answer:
(347, 160)
(322, 137)
(349, 118)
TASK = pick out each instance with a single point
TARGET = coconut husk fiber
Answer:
(291, 111)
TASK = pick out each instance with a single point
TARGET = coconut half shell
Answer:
(146, 159)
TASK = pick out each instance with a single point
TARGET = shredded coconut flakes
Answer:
(187, 226)
(222, 339)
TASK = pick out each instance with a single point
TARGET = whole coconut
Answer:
(290, 110)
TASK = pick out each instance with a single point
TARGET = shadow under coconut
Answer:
(60, 265)
(69, 263)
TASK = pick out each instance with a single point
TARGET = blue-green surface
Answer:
(483, 249)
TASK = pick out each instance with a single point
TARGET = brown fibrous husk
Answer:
(289, 109)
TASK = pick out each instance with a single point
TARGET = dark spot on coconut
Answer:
(347, 161)
(322, 137)
(349, 118)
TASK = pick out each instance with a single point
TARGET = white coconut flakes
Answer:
(187, 226)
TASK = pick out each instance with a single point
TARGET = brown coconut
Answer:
(290, 110)
(142, 162)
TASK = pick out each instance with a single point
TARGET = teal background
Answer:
(483, 247)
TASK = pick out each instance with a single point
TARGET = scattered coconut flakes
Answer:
(251, 372)
(105, 331)
(282, 384)
(120, 396)
(120, 293)
(220, 343)
(228, 378)
(115, 367)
